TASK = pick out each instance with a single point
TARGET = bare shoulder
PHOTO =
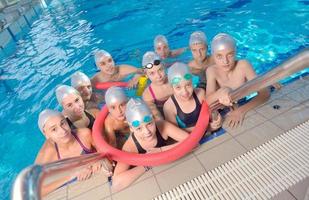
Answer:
(109, 123)
(84, 134)
(244, 64)
(211, 70)
(129, 145)
(146, 95)
(46, 153)
(200, 92)
(169, 103)
(191, 63)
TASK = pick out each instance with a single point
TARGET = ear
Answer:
(44, 133)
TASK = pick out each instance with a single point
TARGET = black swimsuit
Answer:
(186, 120)
(160, 142)
(90, 125)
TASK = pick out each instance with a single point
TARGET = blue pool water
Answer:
(62, 40)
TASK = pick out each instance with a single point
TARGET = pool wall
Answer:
(16, 18)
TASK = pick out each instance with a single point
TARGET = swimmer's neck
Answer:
(75, 118)
(68, 144)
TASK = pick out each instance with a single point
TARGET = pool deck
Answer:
(260, 125)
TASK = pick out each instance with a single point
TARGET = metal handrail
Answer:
(28, 183)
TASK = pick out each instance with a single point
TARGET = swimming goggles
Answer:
(177, 80)
(137, 123)
(150, 65)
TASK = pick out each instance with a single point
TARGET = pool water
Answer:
(62, 40)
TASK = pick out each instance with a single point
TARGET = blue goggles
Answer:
(137, 123)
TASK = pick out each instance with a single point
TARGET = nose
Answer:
(226, 60)
(158, 75)
(119, 110)
(184, 91)
(200, 52)
(146, 130)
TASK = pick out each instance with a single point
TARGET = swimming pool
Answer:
(62, 40)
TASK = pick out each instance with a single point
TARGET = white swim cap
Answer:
(45, 115)
(64, 90)
(79, 79)
(99, 54)
(177, 72)
(198, 37)
(115, 94)
(137, 112)
(159, 39)
(150, 57)
(222, 41)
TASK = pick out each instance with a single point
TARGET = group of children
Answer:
(165, 116)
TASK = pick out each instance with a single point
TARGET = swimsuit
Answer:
(90, 125)
(84, 151)
(186, 120)
(160, 142)
(158, 103)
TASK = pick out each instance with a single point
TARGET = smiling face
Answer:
(162, 49)
(145, 131)
(225, 59)
(156, 74)
(73, 105)
(199, 52)
(57, 129)
(85, 91)
(183, 90)
(117, 110)
(107, 65)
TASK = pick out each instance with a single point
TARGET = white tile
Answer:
(284, 104)
(159, 169)
(221, 154)
(292, 118)
(79, 187)
(96, 193)
(146, 189)
(301, 189)
(285, 195)
(300, 95)
(179, 174)
(248, 123)
(259, 135)
(58, 194)
(212, 143)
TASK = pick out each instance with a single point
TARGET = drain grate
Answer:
(258, 174)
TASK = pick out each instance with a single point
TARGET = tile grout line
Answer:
(291, 194)
(155, 177)
(196, 154)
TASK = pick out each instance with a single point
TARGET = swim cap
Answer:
(45, 115)
(177, 72)
(137, 112)
(159, 39)
(221, 42)
(79, 79)
(150, 57)
(64, 90)
(99, 54)
(115, 94)
(198, 37)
